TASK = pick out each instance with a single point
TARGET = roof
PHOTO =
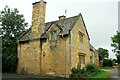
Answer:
(65, 25)
(92, 48)
(38, 2)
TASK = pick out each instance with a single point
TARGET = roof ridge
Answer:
(62, 19)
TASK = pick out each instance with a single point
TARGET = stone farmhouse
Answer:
(54, 48)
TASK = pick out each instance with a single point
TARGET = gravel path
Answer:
(113, 72)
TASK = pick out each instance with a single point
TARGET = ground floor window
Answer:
(82, 59)
(91, 60)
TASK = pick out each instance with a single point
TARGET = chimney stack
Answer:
(38, 18)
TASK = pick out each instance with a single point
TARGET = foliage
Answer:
(92, 68)
(115, 61)
(118, 58)
(13, 24)
(116, 44)
(103, 53)
(107, 62)
(88, 72)
(78, 72)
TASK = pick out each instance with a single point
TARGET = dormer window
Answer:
(53, 35)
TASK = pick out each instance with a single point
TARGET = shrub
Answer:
(107, 62)
(76, 72)
(89, 71)
(92, 68)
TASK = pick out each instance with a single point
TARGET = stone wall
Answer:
(77, 46)
(29, 58)
(29, 52)
(55, 62)
(96, 58)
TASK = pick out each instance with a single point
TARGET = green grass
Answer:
(102, 74)
(118, 68)
(106, 67)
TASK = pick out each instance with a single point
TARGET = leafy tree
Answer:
(116, 44)
(107, 62)
(103, 53)
(118, 58)
(115, 61)
(13, 24)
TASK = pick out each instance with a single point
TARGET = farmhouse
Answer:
(54, 48)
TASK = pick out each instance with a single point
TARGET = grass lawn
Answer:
(118, 67)
(102, 74)
(106, 67)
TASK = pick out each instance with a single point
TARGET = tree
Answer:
(13, 24)
(116, 44)
(108, 62)
(118, 58)
(103, 53)
(115, 61)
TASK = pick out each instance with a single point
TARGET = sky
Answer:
(100, 16)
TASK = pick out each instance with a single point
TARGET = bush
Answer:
(107, 62)
(89, 71)
(77, 72)
(92, 68)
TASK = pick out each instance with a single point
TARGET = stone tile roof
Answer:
(65, 25)
(25, 36)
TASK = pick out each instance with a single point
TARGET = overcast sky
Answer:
(100, 16)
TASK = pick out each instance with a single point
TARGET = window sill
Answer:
(52, 40)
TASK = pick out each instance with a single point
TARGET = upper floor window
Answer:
(81, 35)
(53, 35)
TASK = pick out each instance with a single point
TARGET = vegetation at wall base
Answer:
(90, 71)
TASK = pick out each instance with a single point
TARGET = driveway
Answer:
(114, 73)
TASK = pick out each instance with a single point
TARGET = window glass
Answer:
(51, 35)
(82, 59)
(55, 35)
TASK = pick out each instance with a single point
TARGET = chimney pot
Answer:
(62, 17)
